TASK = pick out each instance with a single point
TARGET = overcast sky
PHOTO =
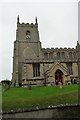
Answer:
(58, 26)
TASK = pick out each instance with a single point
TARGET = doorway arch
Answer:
(58, 77)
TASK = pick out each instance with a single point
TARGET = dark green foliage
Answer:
(6, 84)
(20, 85)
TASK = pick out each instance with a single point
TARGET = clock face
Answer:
(28, 36)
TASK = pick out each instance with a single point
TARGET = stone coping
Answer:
(38, 109)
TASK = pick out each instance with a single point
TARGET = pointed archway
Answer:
(58, 77)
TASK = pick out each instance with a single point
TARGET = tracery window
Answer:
(69, 65)
(36, 69)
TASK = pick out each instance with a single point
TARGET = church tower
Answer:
(26, 50)
(32, 63)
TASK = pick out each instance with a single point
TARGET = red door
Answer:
(58, 77)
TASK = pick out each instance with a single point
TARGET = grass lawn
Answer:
(43, 96)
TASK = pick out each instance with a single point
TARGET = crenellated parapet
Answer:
(27, 24)
(58, 49)
(60, 53)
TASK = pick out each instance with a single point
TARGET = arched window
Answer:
(63, 55)
(46, 55)
(28, 35)
(70, 55)
(58, 55)
(74, 55)
(50, 55)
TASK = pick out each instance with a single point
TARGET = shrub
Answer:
(6, 84)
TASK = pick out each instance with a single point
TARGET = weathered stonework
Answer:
(32, 63)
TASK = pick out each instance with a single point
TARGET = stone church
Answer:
(36, 65)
